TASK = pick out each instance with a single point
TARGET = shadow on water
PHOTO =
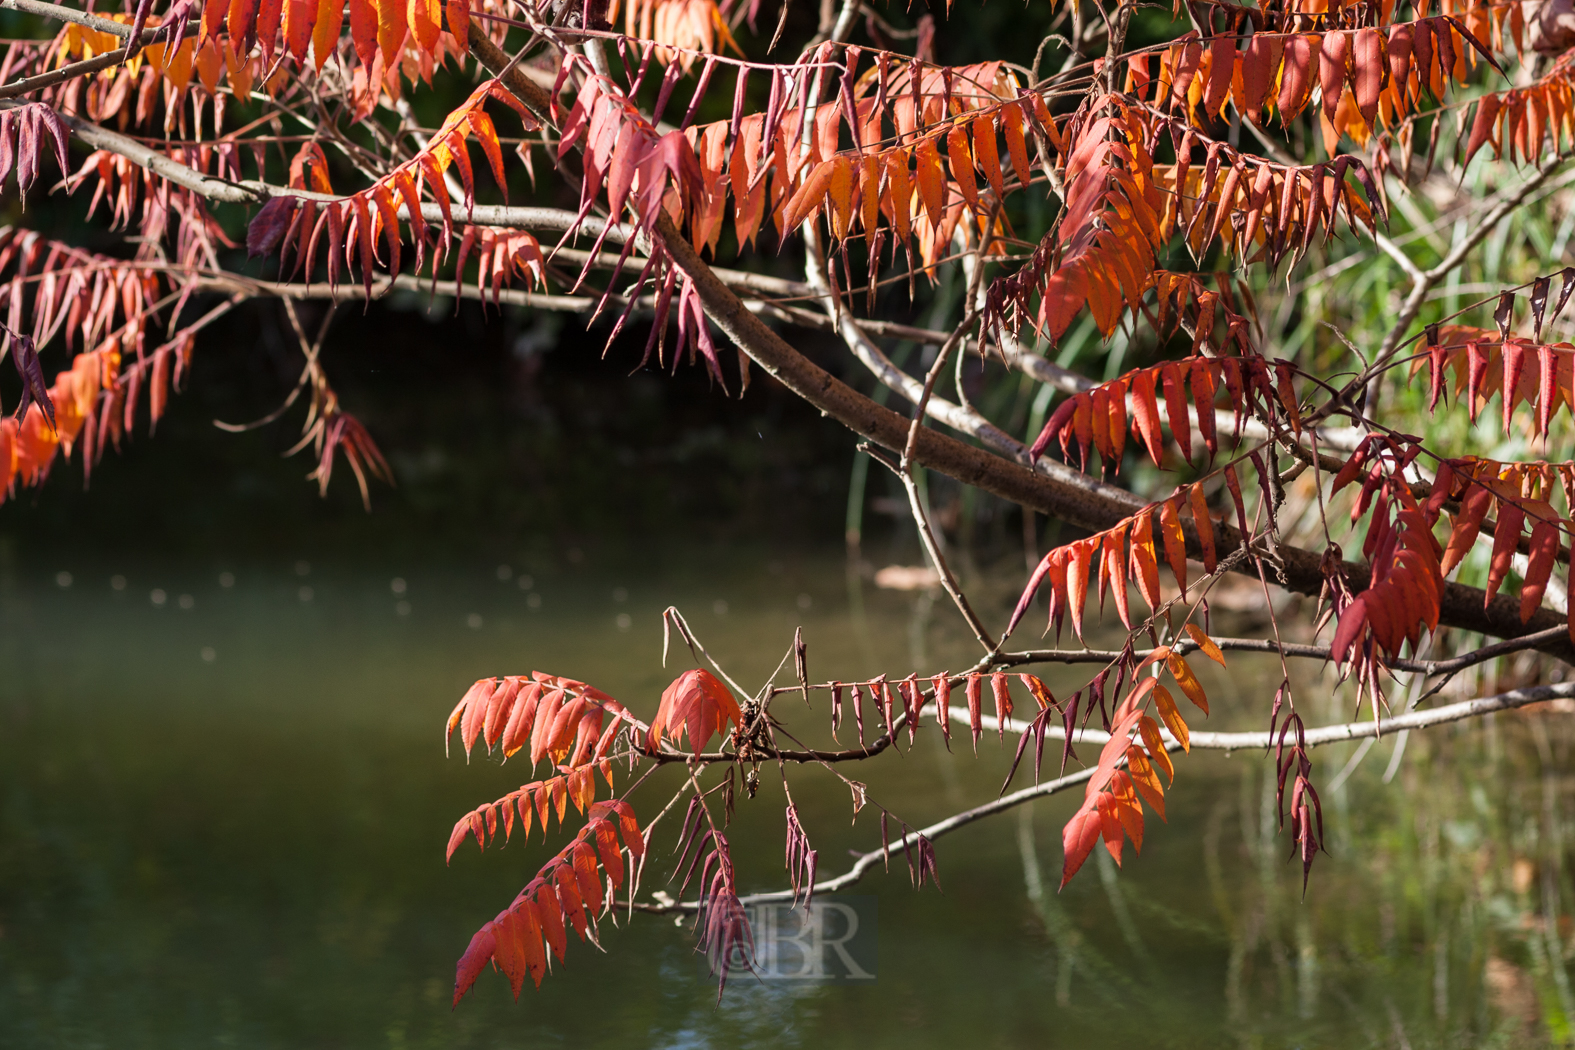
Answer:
(222, 818)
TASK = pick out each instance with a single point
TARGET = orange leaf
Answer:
(1333, 68)
(391, 30)
(480, 952)
(899, 192)
(962, 164)
(806, 201)
(1175, 542)
(1222, 62)
(932, 181)
(1041, 693)
(1482, 126)
(1258, 63)
(513, 932)
(1506, 538)
(482, 127)
(1146, 780)
(1157, 751)
(1127, 808)
(1171, 717)
(1077, 582)
(999, 688)
(840, 191)
(1206, 644)
(534, 949)
(1204, 523)
(1016, 144)
(988, 156)
(426, 22)
(1145, 413)
(551, 911)
(869, 194)
(458, 12)
(1474, 505)
(1145, 566)
(1187, 680)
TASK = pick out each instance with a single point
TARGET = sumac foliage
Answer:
(1135, 255)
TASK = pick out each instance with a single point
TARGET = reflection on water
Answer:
(222, 817)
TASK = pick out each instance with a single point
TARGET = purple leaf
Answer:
(24, 354)
(139, 19)
(268, 228)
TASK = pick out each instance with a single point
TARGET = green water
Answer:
(244, 846)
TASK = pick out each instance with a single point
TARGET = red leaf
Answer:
(1539, 566)
(697, 703)
(1258, 64)
(363, 31)
(1296, 75)
(1077, 840)
(1482, 125)
(1368, 73)
(1222, 58)
(476, 956)
(1514, 358)
(1506, 539)
(1000, 688)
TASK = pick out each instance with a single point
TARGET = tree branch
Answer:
(1210, 741)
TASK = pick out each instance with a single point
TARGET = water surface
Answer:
(223, 824)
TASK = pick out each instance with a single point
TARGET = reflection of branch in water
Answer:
(1118, 907)
(1109, 982)
(1267, 850)
(1061, 933)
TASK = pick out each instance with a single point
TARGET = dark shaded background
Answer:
(502, 432)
